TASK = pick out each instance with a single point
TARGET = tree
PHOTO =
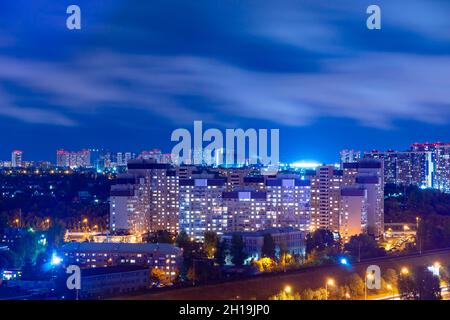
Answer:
(210, 243)
(356, 285)
(265, 264)
(161, 236)
(320, 240)
(221, 252)
(391, 277)
(159, 277)
(286, 295)
(421, 284)
(237, 250)
(55, 234)
(268, 248)
(3, 222)
(183, 240)
(6, 259)
(307, 294)
(363, 246)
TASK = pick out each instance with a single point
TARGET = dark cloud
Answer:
(283, 63)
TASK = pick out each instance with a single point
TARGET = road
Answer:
(264, 286)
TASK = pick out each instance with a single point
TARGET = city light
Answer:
(404, 271)
(305, 165)
(343, 261)
(55, 261)
(287, 289)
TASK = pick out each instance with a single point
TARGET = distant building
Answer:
(292, 239)
(16, 159)
(73, 159)
(348, 156)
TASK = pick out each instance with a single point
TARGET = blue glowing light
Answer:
(55, 260)
(344, 261)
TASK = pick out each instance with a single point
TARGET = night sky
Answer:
(140, 69)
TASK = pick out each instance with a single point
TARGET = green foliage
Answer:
(363, 246)
(55, 234)
(320, 240)
(7, 259)
(237, 250)
(268, 248)
(221, 252)
(414, 202)
(210, 243)
(421, 284)
(434, 232)
(356, 285)
(161, 236)
(391, 277)
(309, 294)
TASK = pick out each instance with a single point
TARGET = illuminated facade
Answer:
(325, 198)
(201, 207)
(353, 212)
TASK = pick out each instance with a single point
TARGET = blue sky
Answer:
(138, 70)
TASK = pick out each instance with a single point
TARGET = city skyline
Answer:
(313, 70)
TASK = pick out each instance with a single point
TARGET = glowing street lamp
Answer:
(330, 282)
(405, 271)
(369, 276)
(390, 288)
(287, 289)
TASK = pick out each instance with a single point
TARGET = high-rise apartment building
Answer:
(368, 174)
(353, 212)
(150, 203)
(201, 205)
(162, 187)
(288, 201)
(129, 209)
(245, 210)
(326, 183)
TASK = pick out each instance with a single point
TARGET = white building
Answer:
(353, 212)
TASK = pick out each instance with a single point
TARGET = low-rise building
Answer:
(103, 282)
(96, 255)
(292, 239)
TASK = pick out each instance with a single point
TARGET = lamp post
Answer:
(329, 282)
(369, 276)
(419, 242)
(390, 288)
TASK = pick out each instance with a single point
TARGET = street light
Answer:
(405, 271)
(330, 282)
(418, 235)
(287, 289)
(369, 276)
(390, 288)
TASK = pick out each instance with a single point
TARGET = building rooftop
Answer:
(120, 247)
(261, 233)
